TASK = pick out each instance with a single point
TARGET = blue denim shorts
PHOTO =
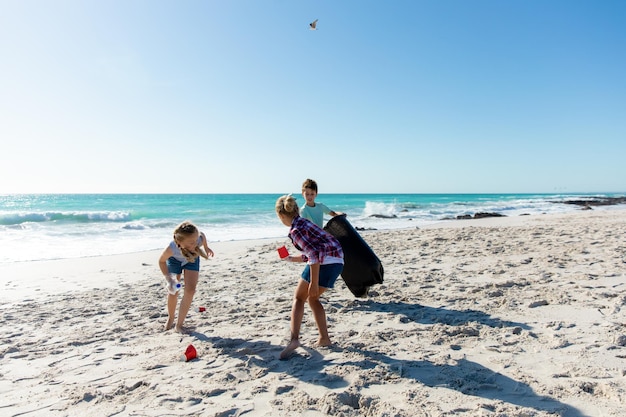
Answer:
(174, 266)
(328, 274)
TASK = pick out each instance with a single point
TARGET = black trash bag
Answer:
(362, 268)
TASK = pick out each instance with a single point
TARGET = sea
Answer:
(36, 227)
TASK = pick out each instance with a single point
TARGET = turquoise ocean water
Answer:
(56, 226)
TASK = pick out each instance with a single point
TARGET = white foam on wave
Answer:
(394, 215)
(378, 209)
(41, 241)
(13, 218)
(134, 226)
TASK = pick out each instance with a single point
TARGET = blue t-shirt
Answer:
(315, 213)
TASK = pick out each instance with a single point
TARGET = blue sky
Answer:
(414, 96)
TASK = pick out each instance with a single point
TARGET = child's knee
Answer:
(300, 295)
(314, 301)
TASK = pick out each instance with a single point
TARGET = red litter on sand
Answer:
(201, 309)
(190, 353)
(283, 252)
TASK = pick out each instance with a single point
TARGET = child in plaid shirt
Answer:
(324, 258)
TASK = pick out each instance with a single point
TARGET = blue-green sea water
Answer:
(56, 226)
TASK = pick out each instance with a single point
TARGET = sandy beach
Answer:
(519, 316)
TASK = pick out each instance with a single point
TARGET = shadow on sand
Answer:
(307, 367)
(467, 377)
(433, 315)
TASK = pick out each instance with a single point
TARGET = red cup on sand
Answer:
(190, 353)
(201, 309)
(283, 252)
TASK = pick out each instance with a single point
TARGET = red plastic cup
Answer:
(283, 252)
(190, 353)
(201, 309)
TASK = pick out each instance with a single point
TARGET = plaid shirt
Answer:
(314, 243)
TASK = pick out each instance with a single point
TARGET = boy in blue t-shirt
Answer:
(312, 210)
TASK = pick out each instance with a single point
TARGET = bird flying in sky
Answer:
(313, 25)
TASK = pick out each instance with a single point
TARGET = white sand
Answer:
(520, 316)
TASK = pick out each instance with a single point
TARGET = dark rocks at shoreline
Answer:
(364, 229)
(479, 215)
(384, 216)
(483, 215)
(595, 201)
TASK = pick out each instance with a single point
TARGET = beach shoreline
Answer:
(520, 315)
(24, 279)
(40, 227)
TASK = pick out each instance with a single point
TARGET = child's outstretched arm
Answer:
(163, 261)
(207, 249)
(314, 287)
(295, 258)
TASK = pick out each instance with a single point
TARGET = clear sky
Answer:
(415, 96)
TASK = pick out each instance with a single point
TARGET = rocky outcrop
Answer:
(483, 215)
(479, 215)
(595, 201)
(384, 216)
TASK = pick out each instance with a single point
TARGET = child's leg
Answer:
(320, 318)
(297, 312)
(171, 310)
(191, 281)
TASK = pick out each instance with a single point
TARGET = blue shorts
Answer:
(174, 266)
(328, 274)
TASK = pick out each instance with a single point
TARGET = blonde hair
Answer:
(287, 205)
(183, 231)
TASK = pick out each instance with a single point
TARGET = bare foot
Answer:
(291, 347)
(168, 325)
(323, 343)
(182, 329)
